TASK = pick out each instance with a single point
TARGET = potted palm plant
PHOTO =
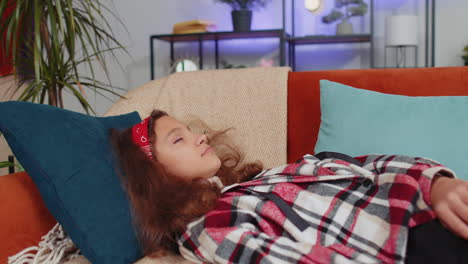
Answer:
(51, 42)
(242, 12)
(343, 11)
(5, 164)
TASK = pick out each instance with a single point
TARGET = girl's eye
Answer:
(178, 140)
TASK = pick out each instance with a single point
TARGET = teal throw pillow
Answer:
(356, 122)
(69, 157)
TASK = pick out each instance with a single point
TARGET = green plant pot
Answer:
(241, 20)
(466, 62)
(344, 28)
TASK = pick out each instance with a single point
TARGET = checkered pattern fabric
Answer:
(354, 213)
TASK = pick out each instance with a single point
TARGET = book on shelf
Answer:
(194, 26)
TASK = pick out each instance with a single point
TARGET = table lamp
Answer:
(402, 30)
(402, 33)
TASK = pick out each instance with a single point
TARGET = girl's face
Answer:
(183, 153)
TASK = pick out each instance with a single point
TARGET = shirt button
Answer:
(367, 182)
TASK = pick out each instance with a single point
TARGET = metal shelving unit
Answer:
(430, 40)
(292, 40)
(216, 37)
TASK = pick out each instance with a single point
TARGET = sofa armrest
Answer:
(24, 219)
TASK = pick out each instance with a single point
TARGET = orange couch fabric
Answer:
(304, 95)
(24, 219)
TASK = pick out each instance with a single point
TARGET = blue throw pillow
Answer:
(356, 122)
(69, 157)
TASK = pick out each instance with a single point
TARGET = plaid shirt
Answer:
(353, 213)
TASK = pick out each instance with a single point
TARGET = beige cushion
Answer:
(174, 259)
(78, 260)
(253, 101)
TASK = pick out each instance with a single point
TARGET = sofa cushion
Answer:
(357, 122)
(69, 158)
(24, 218)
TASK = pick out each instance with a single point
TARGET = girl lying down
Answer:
(190, 195)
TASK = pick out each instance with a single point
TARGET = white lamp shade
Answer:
(402, 30)
(314, 6)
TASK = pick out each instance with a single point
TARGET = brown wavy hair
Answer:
(162, 204)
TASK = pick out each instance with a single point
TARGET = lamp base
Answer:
(400, 56)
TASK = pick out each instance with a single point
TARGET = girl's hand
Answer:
(450, 202)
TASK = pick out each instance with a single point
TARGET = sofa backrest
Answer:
(304, 94)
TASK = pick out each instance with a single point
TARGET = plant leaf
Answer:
(49, 39)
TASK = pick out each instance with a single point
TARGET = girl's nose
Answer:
(202, 139)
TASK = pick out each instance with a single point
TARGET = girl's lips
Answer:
(207, 150)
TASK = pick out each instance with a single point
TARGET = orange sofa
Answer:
(24, 218)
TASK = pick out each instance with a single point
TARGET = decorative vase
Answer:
(241, 20)
(344, 28)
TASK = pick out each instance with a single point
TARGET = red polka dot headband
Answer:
(140, 136)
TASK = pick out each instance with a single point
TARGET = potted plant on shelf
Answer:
(242, 12)
(465, 55)
(51, 42)
(344, 10)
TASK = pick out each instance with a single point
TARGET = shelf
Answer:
(285, 37)
(287, 43)
(216, 37)
(271, 33)
(329, 39)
